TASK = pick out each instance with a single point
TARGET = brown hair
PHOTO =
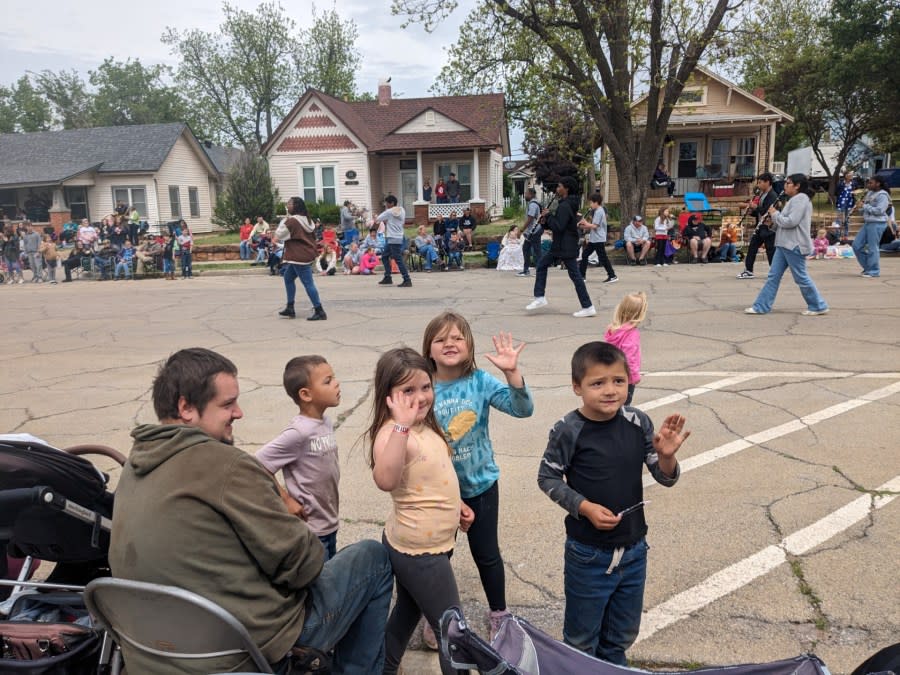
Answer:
(440, 325)
(393, 368)
(188, 374)
(592, 353)
(297, 372)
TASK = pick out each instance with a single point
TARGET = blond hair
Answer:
(821, 233)
(631, 309)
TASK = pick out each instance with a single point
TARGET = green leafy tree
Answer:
(127, 92)
(7, 111)
(70, 102)
(597, 55)
(248, 194)
(30, 108)
(327, 59)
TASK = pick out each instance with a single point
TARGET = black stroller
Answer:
(521, 649)
(54, 506)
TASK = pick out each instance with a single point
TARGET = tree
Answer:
(601, 53)
(31, 111)
(70, 102)
(7, 111)
(127, 92)
(249, 193)
(327, 59)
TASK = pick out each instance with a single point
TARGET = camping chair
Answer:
(493, 253)
(168, 623)
(697, 201)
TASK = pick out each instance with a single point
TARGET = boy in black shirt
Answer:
(592, 468)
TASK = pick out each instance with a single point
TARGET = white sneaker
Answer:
(751, 310)
(814, 312)
(587, 311)
(537, 302)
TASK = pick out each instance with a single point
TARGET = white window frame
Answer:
(194, 202)
(319, 187)
(175, 204)
(454, 168)
(145, 213)
(697, 88)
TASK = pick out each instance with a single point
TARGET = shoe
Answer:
(814, 312)
(21, 281)
(405, 284)
(751, 310)
(387, 281)
(703, 261)
(658, 265)
(428, 636)
(53, 283)
(288, 312)
(537, 302)
(317, 315)
(611, 280)
(585, 311)
(746, 274)
(869, 275)
(642, 262)
(523, 274)
(694, 261)
(665, 264)
(496, 619)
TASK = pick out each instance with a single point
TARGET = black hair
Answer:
(596, 197)
(592, 353)
(570, 184)
(188, 374)
(299, 206)
(390, 199)
(766, 176)
(882, 183)
(297, 372)
(802, 182)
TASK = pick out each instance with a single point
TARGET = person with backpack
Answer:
(531, 232)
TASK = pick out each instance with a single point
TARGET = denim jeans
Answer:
(781, 261)
(245, 249)
(540, 282)
(124, 268)
(603, 611)
(845, 222)
(187, 268)
(394, 251)
(727, 252)
(329, 542)
(168, 265)
(429, 255)
(348, 607)
(865, 247)
(293, 271)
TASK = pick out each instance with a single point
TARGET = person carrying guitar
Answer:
(765, 232)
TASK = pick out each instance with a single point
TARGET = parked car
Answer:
(891, 176)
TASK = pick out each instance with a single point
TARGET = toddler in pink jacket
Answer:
(623, 333)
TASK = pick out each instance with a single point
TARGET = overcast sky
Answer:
(57, 35)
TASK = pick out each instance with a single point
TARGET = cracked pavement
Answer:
(80, 358)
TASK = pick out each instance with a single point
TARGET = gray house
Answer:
(161, 169)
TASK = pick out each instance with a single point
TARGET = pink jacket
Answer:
(628, 339)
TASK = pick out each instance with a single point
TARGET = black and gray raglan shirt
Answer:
(601, 462)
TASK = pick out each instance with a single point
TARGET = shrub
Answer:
(248, 194)
(329, 214)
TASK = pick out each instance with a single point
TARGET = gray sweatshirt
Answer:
(394, 219)
(792, 224)
(32, 242)
(875, 206)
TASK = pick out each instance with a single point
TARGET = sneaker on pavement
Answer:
(746, 274)
(523, 274)
(496, 619)
(814, 312)
(585, 311)
(405, 284)
(537, 302)
(387, 281)
(611, 280)
(751, 310)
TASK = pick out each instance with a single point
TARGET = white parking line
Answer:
(766, 435)
(736, 576)
(697, 391)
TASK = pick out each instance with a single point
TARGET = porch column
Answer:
(419, 176)
(59, 212)
(476, 179)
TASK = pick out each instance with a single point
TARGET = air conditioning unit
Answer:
(778, 167)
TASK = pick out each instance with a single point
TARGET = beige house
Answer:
(161, 169)
(329, 150)
(720, 137)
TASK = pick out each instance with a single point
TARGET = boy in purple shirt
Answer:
(306, 452)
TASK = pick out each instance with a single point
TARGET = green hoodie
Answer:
(197, 513)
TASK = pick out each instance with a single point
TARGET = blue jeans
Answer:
(168, 265)
(293, 271)
(845, 222)
(603, 611)
(124, 268)
(865, 247)
(329, 542)
(187, 269)
(348, 608)
(245, 249)
(781, 261)
(394, 251)
(429, 255)
(727, 251)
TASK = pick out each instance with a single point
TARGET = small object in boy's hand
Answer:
(631, 509)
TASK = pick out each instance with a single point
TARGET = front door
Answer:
(687, 166)
(409, 191)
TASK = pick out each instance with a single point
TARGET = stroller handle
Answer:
(103, 450)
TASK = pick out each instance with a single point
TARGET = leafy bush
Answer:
(248, 194)
(329, 214)
(514, 211)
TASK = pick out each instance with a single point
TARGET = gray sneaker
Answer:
(523, 274)
(746, 274)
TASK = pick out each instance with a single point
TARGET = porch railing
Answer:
(435, 210)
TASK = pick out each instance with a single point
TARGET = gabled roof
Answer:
(50, 157)
(484, 115)
(222, 157)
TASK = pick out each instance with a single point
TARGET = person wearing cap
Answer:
(564, 228)
(699, 237)
(637, 236)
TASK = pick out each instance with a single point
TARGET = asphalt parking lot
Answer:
(782, 536)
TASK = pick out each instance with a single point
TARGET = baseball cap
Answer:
(638, 217)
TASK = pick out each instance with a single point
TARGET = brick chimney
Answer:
(384, 92)
(759, 93)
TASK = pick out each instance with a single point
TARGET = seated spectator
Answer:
(87, 235)
(698, 237)
(369, 261)
(439, 228)
(350, 263)
(124, 260)
(452, 225)
(467, 224)
(373, 241)
(245, 231)
(661, 178)
(637, 237)
(276, 253)
(148, 251)
(262, 244)
(511, 258)
(74, 261)
(327, 260)
(728, 243)
(67, 236)
(820, 245)
(105, 260)
(425, 246)
(455, 249)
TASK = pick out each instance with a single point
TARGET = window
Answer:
(745, 157)
(463, 173)
(132, 196)
(408, 165)
(692, 96)
(718, 161)
(194, 202)
(76, 198)
(8, 203)
(175, 201)
(319, 183)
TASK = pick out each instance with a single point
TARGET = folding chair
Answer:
(168, 623)
(697, 201)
